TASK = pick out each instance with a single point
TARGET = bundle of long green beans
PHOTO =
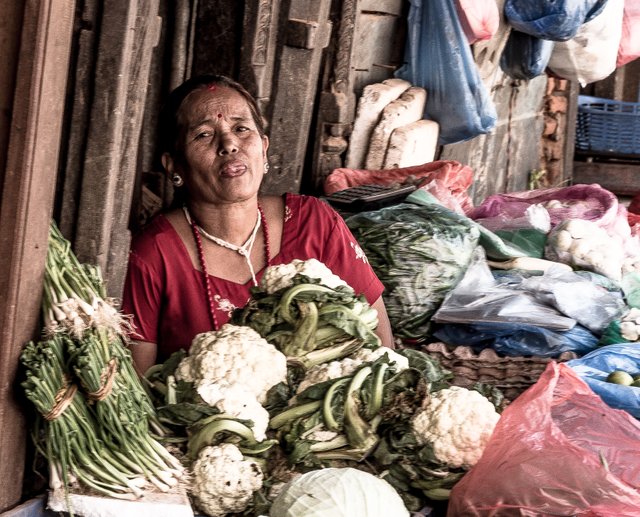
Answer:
(86, 336)
(68, 437)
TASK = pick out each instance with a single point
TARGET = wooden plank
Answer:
(75, 143)
(257, 55)
(10, 27)
(128, 32)
(622, 179)
(294, 97)
(218, 37)
(147, 31)
(25, 211)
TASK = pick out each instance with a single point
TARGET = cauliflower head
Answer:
(234, 355)
(348, 365)
(223, 481)
(458, 423)
(236, 402)
(280, 276)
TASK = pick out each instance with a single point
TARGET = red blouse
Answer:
(166, 294)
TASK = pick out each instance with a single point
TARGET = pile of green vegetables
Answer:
(309, 322)
(355, 409)
(94, 418)
(419, 252)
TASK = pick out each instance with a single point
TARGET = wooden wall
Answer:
(28, 184)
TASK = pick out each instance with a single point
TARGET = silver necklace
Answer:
(243, 250)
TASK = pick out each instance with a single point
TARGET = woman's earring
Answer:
(266, 167)
(177, 180)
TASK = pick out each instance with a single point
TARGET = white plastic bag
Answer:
(592, 53)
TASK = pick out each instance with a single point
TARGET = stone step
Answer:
(413, 144)
(408, 108)
(375, 97)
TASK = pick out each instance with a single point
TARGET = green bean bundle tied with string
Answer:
(66, 433)
(91, 335)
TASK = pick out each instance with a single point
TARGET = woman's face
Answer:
(223, 152)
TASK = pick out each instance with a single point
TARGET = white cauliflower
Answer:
(458, 423)
(236, 402)
(281, 276)
(584, 244)
(630, 325)
(231, 356)
(348, 365)
(223, 481)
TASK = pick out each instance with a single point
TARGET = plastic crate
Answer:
(608, 126)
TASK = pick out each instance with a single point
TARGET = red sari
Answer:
(165, 293)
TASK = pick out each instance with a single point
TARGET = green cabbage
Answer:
(339, 492)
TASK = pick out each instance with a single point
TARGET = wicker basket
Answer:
(608, 126)
(512, 375)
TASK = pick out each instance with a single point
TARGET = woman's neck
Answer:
(231, 222)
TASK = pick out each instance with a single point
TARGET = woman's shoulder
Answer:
(157, 232)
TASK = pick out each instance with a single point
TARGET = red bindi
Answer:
(219, 115)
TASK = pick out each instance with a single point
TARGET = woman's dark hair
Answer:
(168, 125)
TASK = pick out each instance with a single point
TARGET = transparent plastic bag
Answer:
(590, 305)
(438, 58)
(583, 244)
(478, 298)
(557, 449)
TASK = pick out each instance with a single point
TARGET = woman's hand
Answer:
(144, 355)
(384, 326)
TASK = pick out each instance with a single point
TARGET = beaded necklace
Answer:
(244, 250)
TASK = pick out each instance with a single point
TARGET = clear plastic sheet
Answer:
(478, 298)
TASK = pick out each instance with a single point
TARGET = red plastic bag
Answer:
(558, 449)
(630, 42)
(479, 18)
(447, 180)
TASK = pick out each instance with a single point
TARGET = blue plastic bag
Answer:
(439, 59)
(517, 339)
(525, 56)
(594, 367)
(557, 20)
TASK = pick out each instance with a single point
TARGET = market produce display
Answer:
(390, 416)
(295, 400)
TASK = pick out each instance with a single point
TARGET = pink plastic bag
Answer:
(447, 180)
(558, 449)
(479, 18)
(630, 42)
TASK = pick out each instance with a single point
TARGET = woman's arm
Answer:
(384, 326)
(144, 355)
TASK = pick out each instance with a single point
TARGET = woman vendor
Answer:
(191, 267)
